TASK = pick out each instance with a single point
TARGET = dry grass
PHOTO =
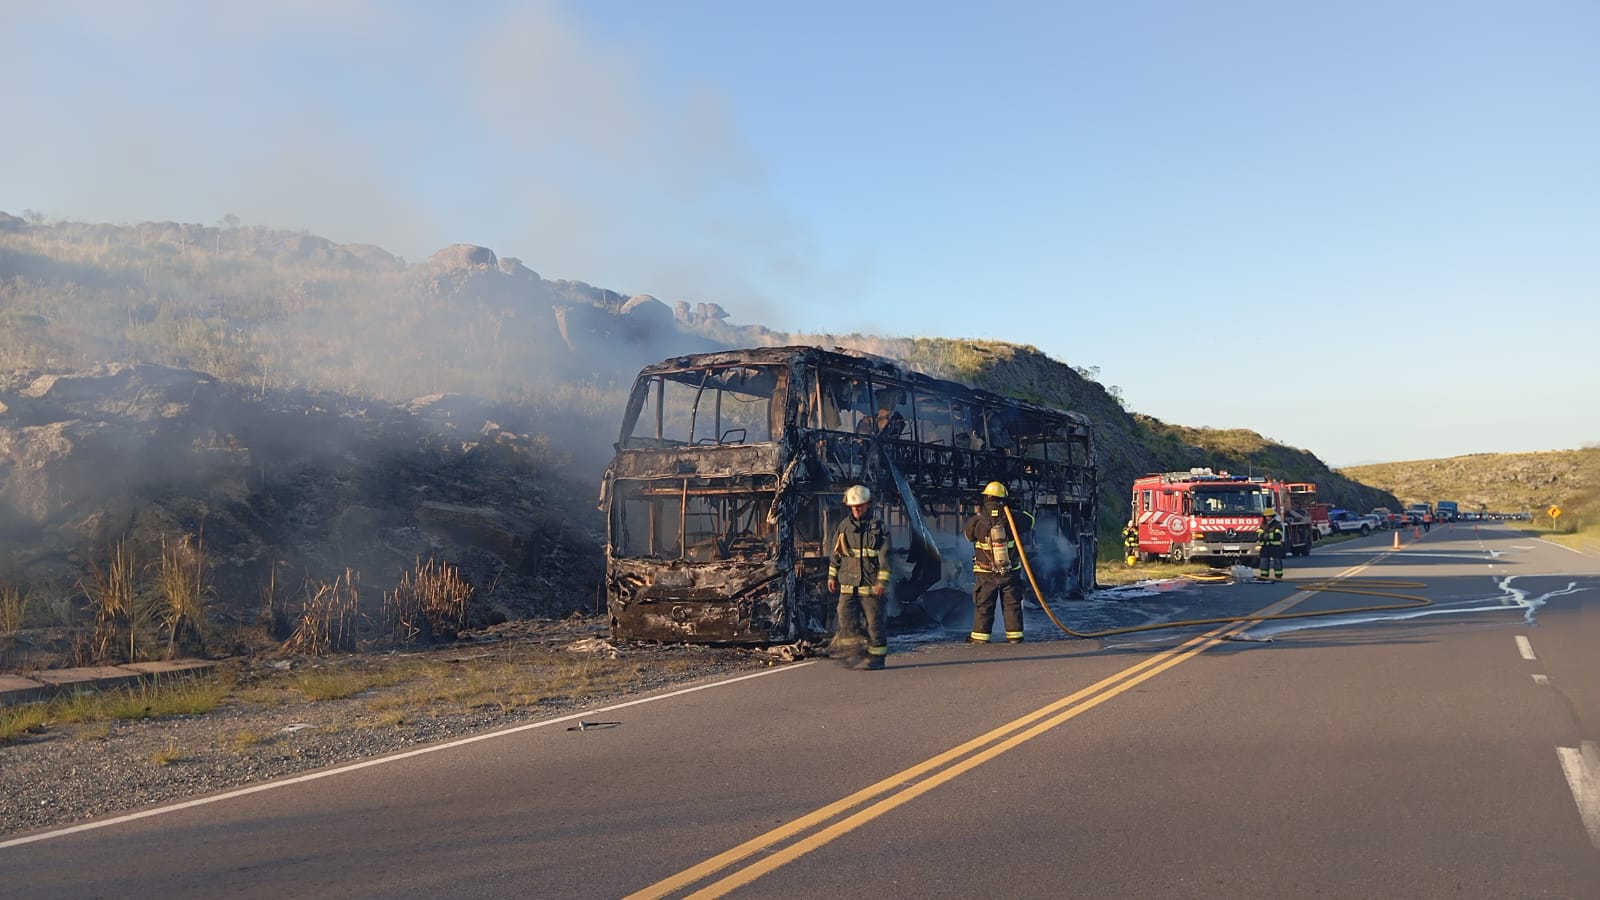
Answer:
(391, 718)
(154, 699)
(13, 609)
(329, 621)
(93, 731)
(183, 696)
(338, 684)
(430, 603)
(546, 676)
(183, 592)
(167, 755)
(1113, 574)
(112, 589)
(246, 740)
(16, 721)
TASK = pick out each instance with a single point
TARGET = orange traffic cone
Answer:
(1397, 539)
(1416, 534)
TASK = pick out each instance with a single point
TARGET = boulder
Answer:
(644, 316)
(464, 256)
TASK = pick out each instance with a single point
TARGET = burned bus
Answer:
(729, 473)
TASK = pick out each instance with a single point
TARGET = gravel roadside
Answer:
(74, 773)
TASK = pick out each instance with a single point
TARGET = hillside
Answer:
(1498, 482)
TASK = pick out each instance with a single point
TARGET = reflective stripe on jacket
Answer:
(860, 552)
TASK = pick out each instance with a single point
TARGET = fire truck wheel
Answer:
(1177, 555)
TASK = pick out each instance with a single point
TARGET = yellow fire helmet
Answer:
(1269, 512)
(994, 489)
(857, 495)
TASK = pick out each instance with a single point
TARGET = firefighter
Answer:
(1130, 542)
(997, 566)
(1270, 549)
(859, 574)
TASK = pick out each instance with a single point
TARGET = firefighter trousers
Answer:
(1007, 587)
(858, 606)
(1271, 562)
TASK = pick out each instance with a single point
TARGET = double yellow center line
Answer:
(908, 784)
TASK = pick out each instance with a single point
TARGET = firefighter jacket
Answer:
(860, 554)
(1270, 535)
(994, 545)
(1130, 537)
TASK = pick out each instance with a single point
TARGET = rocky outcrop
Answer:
(510, 265)
(643, 316)
(464, 256)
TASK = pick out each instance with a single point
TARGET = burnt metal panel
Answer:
(726, 461)
(698, 602)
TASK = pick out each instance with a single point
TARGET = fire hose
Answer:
(1371, 588)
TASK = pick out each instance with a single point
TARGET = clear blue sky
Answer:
(1368, 229)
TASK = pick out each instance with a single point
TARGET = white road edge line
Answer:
(1562, 546)
(368, 763)
(1525, 648)
(1583, 775)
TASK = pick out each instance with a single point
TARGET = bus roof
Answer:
(844, 358)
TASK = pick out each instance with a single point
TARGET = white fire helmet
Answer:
(857, 495)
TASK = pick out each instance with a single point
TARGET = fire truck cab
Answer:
(1213, 517)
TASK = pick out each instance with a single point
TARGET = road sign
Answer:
(1554, 511)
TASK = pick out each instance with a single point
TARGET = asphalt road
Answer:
(1439, 750)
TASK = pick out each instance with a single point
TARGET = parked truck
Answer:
(1446, 511)
(1213, 517)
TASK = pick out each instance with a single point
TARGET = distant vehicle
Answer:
(1419, 511)
(1447, 511)
(1343, 521)
(1387, 519)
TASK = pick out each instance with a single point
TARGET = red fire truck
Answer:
(1303, 498)
(1213, 517)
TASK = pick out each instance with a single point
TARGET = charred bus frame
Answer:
(729, 471)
